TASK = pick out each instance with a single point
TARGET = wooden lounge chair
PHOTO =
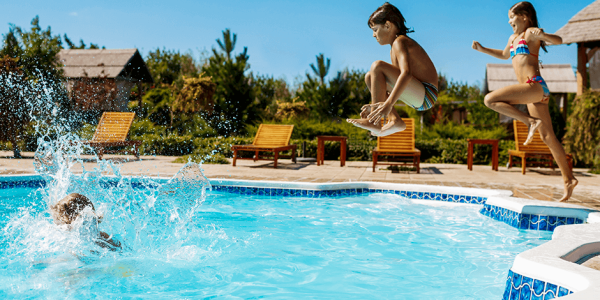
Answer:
(112, 131)
(398, 147)
(536, 149)
(269, 138)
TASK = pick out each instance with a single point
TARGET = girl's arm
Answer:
(540, 35)
(501, 54)
(400, 48)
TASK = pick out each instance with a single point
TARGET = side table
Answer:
(492, 142)
(321, 148)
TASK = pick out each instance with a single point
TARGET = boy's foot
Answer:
(569, 187)
(364, 124)
(532, 128)
(392, 127)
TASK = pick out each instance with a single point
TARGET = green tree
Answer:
(157, 105)
(196, 94)
(583, 131)
(322, 67)
(169, 66)
(235, 104)
(14, 112)
(11, 46)
(271, 92)
(81, 44)
(340, 98)
(228, 43)
(37, 51)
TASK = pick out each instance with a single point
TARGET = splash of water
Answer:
(147, 216)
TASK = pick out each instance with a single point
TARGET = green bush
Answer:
(454, 131)
(310, 129)
(583, 134)
(438, 144)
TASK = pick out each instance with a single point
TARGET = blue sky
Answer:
(283, 37)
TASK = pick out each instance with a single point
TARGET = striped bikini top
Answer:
(522, 48)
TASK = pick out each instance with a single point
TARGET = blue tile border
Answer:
(287, 192)
(527, 221)
(37, 183)
(519, 287)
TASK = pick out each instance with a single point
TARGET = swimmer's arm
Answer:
(497, 53)
(539, 34)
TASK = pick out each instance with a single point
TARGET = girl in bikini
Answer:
(523, 48)
(411, 77)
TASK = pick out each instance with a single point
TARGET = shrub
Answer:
(583, 133)
(454, 131)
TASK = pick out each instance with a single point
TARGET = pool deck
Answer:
(541, 184)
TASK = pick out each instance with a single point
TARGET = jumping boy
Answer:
(411, 78)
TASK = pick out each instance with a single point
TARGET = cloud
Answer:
(73, 14)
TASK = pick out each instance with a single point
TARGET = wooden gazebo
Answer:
(583, 29)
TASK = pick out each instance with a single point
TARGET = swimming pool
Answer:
(266, 242)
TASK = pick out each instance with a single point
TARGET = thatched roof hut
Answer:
(126, 64)
(101, 79)
(583, 29)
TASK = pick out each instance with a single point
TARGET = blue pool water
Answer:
(182, 244)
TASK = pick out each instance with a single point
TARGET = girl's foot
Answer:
(569, 187)
(365, 124)
(533, 126)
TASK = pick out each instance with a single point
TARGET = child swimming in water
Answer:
(411, 77)
(523, 47)
(74, 206)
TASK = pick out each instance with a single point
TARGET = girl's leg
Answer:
(541, 111)
(502, 101)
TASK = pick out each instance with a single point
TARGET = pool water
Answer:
(179, 243)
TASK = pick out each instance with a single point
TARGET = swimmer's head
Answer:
(388, 12)
(527, 11)
(70, 207)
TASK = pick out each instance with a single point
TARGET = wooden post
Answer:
(582, 79)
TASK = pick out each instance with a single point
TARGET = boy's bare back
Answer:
(421, 66)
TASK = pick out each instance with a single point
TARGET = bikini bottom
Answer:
(541, 81)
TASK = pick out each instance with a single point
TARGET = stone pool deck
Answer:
(540, 184)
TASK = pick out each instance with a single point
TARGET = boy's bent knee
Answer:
(489, 101)
(368, 77)
(377, 65)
